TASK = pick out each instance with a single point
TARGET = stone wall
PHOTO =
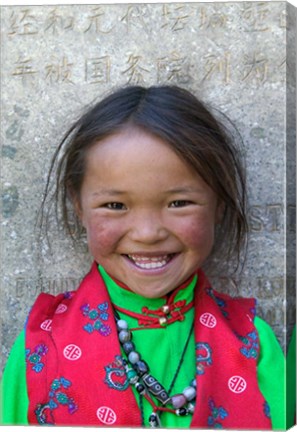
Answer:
(237, 56)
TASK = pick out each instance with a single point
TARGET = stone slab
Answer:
(237, 56)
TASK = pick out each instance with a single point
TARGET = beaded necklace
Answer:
(138, 374)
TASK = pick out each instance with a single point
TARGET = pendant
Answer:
(155, 388)
(154, 420)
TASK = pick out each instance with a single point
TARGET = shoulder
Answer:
(269, 346)
(48, 305)
(227, 303)
(45, 307)
(236, 308)
(271, 364)
(50, 311)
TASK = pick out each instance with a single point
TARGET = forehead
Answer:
(133, 149)
(132, 141)
(134, 160)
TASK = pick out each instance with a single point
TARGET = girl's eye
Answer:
(179, 203)
(115, 206)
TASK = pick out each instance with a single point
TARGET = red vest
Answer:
(71, 339)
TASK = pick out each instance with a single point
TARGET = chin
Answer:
(153, 292)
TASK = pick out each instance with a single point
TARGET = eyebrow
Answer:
(186, 189)
(109, 192)
(175, 190)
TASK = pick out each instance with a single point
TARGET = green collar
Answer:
(135, 303)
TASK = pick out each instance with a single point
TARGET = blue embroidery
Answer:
(114, 372)
(34, 358)
(250, 350)
(219, 301)
(204, 356)
(217, 413)
(267, 410)
(97, 316)
(57, 396)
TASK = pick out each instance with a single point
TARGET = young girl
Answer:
(154, 180)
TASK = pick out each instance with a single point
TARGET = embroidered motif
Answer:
(61, 309)
(250, 350)
(46, 325)
(106, 415)
(35, 357)
(204, 356)
(72, 352)
(42, 414)
(116, 377)
(219, 301)
(267, 410)
(237, 384)
(208, 320)
(217, 413)
(96, 316)
(57, 397)
(68, 294)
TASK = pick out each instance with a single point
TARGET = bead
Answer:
(193, 383)
(141, 367)
(124, 336)
(190, 408)
(162, 321)
(155, 388)
(138, 369)
(140, 388)
(132, 376)
(133, 357)
(122, 325)
(165, 309)
(178, 400)
(128, 347)
(200, 369)
(154, 420)
(189, 393)
(182, 412)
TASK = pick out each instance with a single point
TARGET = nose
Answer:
(147, 227)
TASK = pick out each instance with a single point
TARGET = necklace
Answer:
(147, 386)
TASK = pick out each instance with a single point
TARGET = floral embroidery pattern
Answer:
(116, 377)
(250, 350)
(34, 358)
(217, 413)
(57, 397)
(96, 315)
(68, 294)
(219, 301)
(204, 356)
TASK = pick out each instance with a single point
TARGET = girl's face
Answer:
(149, 217)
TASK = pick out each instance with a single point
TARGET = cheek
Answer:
(103, 236)
(197, 233)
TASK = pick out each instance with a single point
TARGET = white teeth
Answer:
(152, 265)
(148, 263)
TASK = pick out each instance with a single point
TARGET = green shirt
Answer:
(168, 343)
(291, 381)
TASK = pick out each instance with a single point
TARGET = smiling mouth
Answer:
(149, 263)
